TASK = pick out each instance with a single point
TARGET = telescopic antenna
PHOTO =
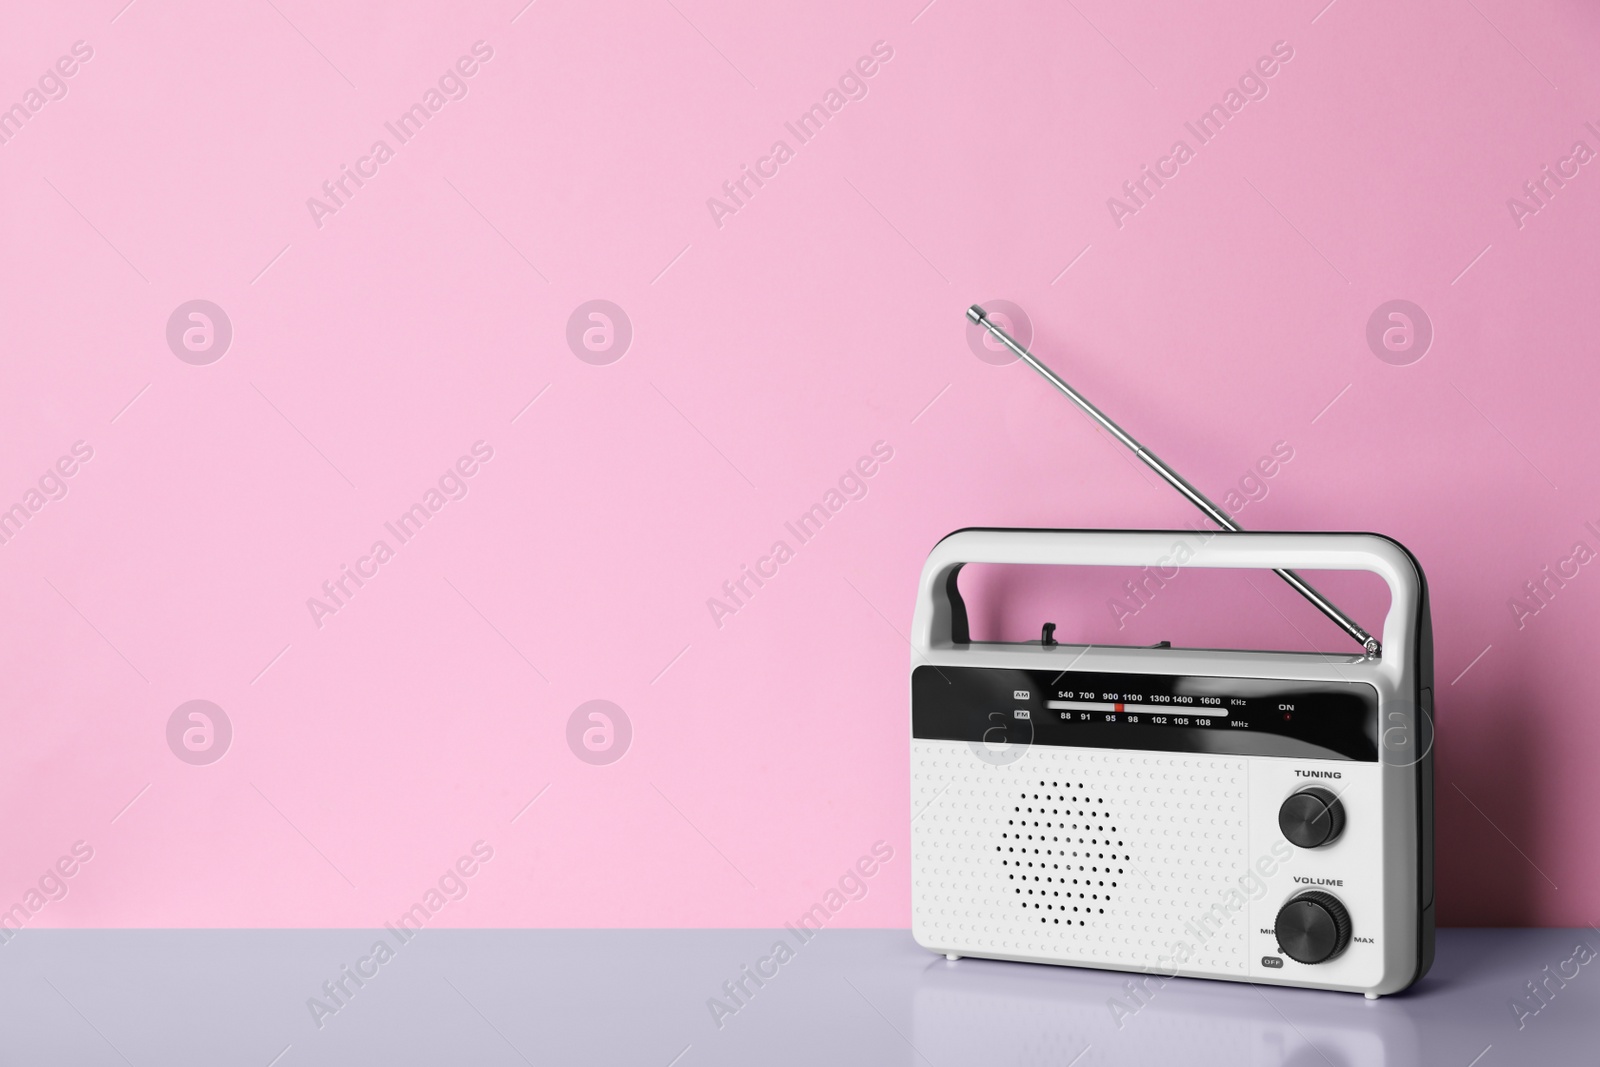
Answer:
(1173, 478)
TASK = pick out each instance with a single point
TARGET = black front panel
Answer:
(1153, 712)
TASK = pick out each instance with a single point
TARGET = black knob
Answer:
(1311, 817)
(1313, 927)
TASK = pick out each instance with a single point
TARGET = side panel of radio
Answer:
(1322, 918)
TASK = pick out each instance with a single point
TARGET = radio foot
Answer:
(951, 956)
(1372, 996)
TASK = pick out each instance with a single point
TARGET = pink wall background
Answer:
(768, 353)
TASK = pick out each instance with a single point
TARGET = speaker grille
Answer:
(1081, 855)
(1062, 852)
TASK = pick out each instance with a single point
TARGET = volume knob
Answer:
(1313, 927)
(1311, 818)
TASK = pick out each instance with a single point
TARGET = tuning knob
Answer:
(1313, 927)
(1311, 817)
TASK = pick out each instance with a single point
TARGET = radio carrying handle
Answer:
(981, 318)
(941, 620)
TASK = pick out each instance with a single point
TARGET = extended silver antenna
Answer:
(1173, 478)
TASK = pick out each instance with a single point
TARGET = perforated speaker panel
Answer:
(1091, 856)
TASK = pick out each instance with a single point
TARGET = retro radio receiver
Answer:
(1246, 815)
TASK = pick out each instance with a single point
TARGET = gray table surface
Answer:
(245, 997)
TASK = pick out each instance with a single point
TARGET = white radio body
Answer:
(1253, 816)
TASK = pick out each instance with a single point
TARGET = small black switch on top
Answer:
(1047, 637)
